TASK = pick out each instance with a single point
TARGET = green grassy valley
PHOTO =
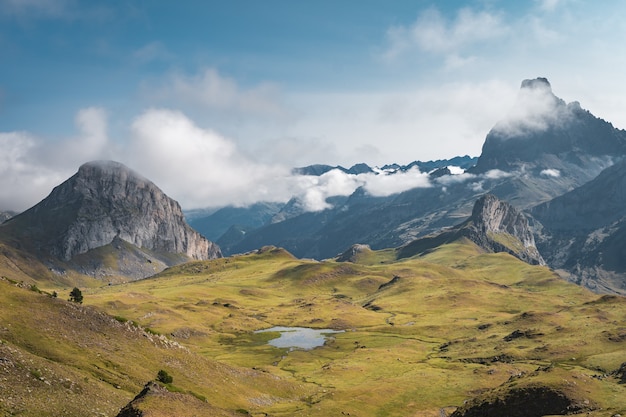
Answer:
(455, 328)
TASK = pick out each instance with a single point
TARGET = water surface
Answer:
(299, 337)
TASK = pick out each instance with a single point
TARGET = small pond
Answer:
(299, 337)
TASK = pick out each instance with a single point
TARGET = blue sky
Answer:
(225, 97)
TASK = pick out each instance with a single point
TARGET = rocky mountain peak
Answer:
(537, 83)
(491, 214)
(499, 227)
(103, 203)
(540, 127)
(495, 226)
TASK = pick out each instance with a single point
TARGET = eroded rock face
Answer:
(491, 214)
(495, 226)
(103, 201)
(493, 218)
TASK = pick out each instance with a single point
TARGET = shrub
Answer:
(76, 295)
(164, 377)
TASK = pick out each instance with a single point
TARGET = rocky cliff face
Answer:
(103, 202)
(495, 226)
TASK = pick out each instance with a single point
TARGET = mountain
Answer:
(107, 220)
(213, 226)
(542, 149)
(541, 126)
(6, 215)
(463, 162)
(583, 232)
(495, 226)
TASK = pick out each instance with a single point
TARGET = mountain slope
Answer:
(584, 231)
(216, 224)
(104, 203)
(59, 358)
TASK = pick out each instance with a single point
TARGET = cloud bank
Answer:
(198, 167)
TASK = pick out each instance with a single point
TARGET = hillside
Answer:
(421, 335)
(62, 358)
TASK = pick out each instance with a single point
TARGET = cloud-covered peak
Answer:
(535, 110)
(537, 83)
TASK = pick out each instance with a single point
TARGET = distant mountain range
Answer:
(544, 149)
(555, 162)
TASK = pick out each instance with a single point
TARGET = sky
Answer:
(216, 101)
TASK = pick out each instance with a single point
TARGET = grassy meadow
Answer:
(422, 335)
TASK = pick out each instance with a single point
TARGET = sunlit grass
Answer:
(421, 333)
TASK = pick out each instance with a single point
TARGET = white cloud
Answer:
(549, 5)
(23, 179)
(455, 179)
(313, 191)
(211, 90)
(477, 187)
(421, 122)
(555, 173)
(198, 167)
(432, 32)
(382, 185)
(496, 174)
(32, 166)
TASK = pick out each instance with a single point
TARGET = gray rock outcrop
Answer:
(103, 202)
(495, 226)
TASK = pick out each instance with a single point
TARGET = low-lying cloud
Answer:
(196, 166)
(555, 173)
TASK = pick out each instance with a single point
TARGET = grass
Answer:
(422, 334)
(61, 358)
(437, 337)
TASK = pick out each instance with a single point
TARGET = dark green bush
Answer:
(164, 377)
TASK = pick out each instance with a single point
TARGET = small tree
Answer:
(164, 377)
(76, 295)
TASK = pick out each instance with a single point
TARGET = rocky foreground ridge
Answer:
(106, 203)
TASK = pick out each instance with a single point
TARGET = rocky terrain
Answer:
(583, 233)
(107, 205)
(6, 215)
(495, 226)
